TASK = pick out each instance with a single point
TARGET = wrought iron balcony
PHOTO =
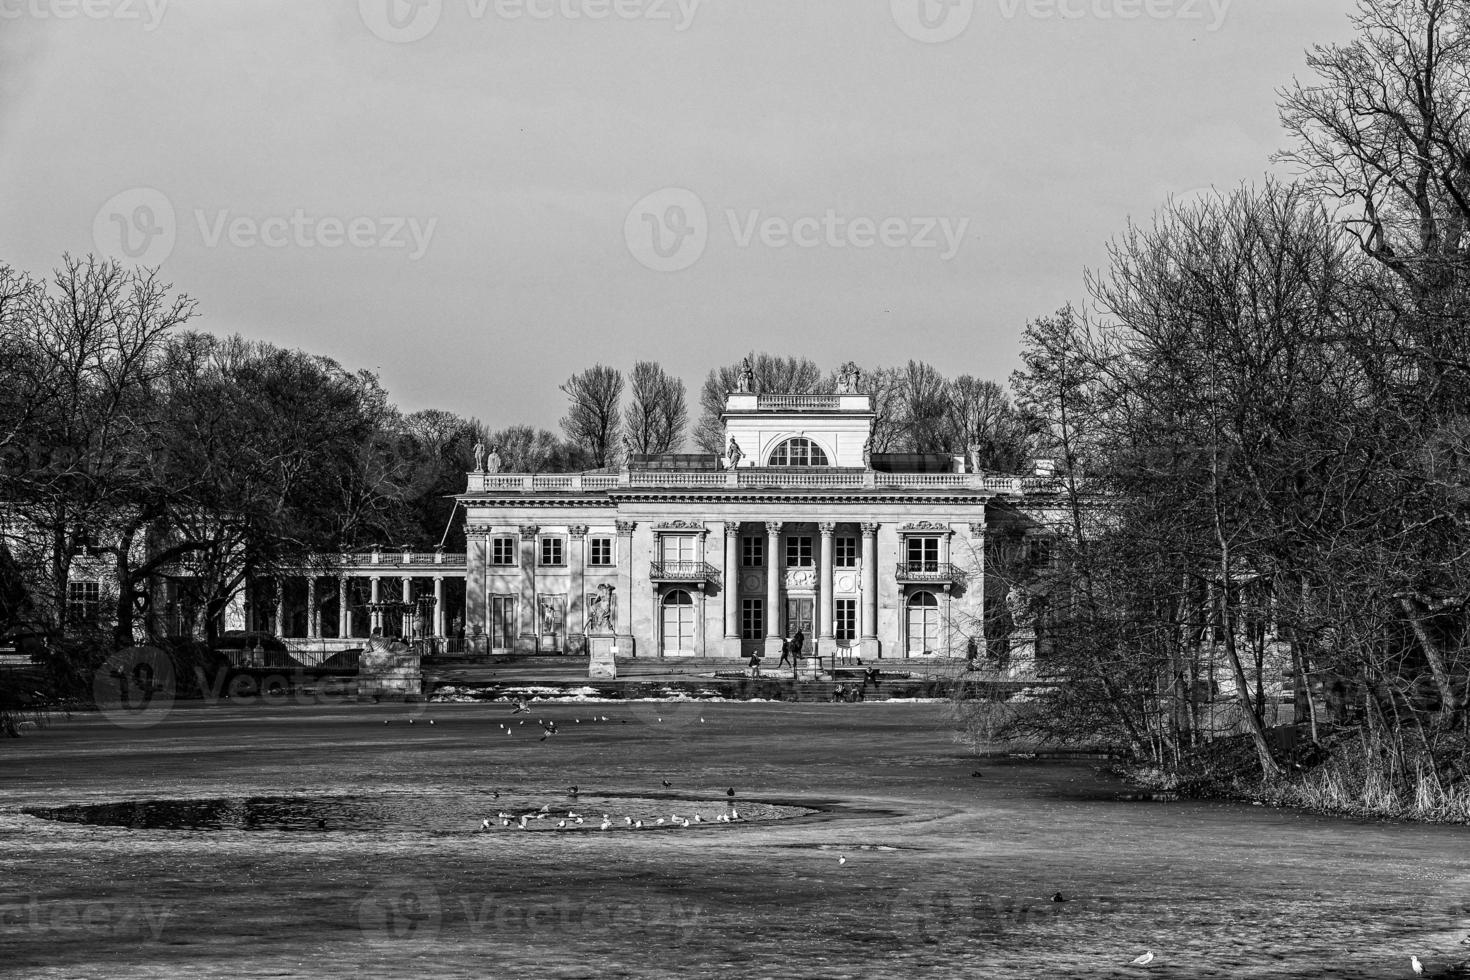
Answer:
(688, 572)
(929, 573)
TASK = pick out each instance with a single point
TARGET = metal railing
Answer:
(925, 572)
(683, 571)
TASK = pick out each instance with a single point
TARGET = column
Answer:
(375, 615)
(774, 572)
(439, 606)
(624, 627)
(280, 607)
(344, 611)
(577, 600)
(407, 628)
(826, 638)
(530, 609)
(313, 610)
(732, 582)
(870, 590)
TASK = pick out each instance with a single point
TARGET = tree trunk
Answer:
(1449, 700)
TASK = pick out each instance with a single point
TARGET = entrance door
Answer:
(678, 624)
(799, 612)
(923, 613)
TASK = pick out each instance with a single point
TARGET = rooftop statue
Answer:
(492, 462)
(747, 376)
(479, 457)
(733, 453)
(849, 379)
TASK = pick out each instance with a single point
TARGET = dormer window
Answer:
(799, 452)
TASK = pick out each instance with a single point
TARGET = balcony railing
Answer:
(929, 573)
(684, 571)
(746, 478)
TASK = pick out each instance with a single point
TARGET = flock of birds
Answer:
(573, 819)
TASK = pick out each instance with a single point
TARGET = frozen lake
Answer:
(279, 840)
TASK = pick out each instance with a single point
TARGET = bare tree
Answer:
(773, 376)
(592, 422)
(657, 413)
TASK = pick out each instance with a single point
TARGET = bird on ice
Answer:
(842, 859)
(606, 824)
(1416, 966)
(1143, 960)
(1059, 897)
(485, 824)
(561, 824)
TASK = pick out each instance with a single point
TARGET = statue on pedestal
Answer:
(492, 462)
(733, 453)
(479, 457)
(849, 378)
(747, 376)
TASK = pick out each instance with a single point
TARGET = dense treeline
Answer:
(1264, 439)
(129, 440)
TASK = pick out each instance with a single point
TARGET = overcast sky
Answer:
(478, 198)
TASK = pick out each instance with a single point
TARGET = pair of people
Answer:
(791, 649)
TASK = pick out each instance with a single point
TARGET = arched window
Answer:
(678, 624)
(799, 452)
(923, 624)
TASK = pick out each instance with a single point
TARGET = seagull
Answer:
(606, 823)
(1143, 960)
(560, 824)
(431, 721)
(683, 823)
(387, 723)
(659, 822)
(667, 783)
(629, 821)
(842, 860)
(638, 825)
(1416, 966)
(410, 721)
(698, 818)
(572, 791)
(485, 824)
(1059, 897)
(730, 791)
(734, 814)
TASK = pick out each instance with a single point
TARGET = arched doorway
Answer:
(923, 616)
(677, 615)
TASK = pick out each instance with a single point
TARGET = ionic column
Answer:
(344, 611)
(870, 582)
(732, 581)
(407, 626)
(375, 615)
(438, 605)
(773, 581)
(826, 638)
(530, 607)
(280, 607)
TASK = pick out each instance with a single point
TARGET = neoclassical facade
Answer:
(797, 527)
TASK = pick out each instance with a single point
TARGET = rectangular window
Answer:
(602, 553)
(502, 621)
(846, 553)
(677, 549)
(752, 552)
(752, 619)
(923, 554)
(553, 552)
(799, 552)
(83, 602)
(503, 551)
(846, 625)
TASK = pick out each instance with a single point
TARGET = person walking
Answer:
(797, 642)
(785, 654)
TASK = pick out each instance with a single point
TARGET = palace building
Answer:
(798, 527)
